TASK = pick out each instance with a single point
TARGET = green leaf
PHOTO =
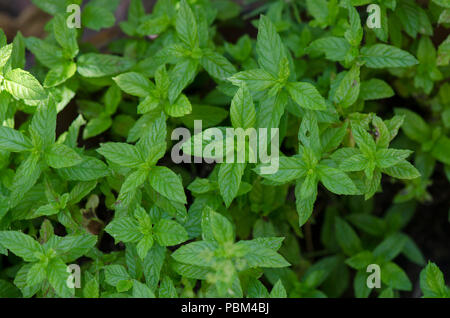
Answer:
(17, 59)
(167, 289)
(230, 176)
(386, 293)
(124, 229)
(48, 209)
(209, 115)
(96, 17)
(390, 247)
(43, 125)
(441, 150)
(241, 50)
(152, 265)
(167, 183)
(306, 96)
(259, 256)
(134, 84)
(48, 54)
(124, 285)
(320, 271)
(375, 89)
(256, 80)
(121, 153)
(21, 282)
(368, 223)
(412, 252)
(144, 245)
(186, 25)
(364, 140)
(141, 290)
(355, 33)
(54, 7)
(356, 162)
(413, 125)
(360, 285)
(242, 111)
(182, 106)
(89, 169)
(308, 134)
(57, 276)
(442, 3)
(269, 47)
(81, 190)
(256, 289)
(383, 133)
(290, 168)
(5, 54)
(432, 282)
(115, 273)
(402, 170)
(318, 9)
(348, 90)
(61, 156)
(334, 48)
(36, 274)
(98, 65)
(134, 180)
(21, 244)
(388, 157)
(154, 25)
(383, 55)
(151, 150)
(149, 104)
(304, 205)
(217, 65)
(393, 276)
(136, 11)
(200, 253)
(361, 260)
(181, 75)
(23, 85)
(271, 110)
(443, 57)
(26, 176)
(59, 74)
(278, 290)
(96, 126)
(65, 36)
(71, 247)
(347, 238)
(413, 18)
(13, 140)
(169, 233)
(216, 227)
(91, 287)
(309, 185)
(336, 180)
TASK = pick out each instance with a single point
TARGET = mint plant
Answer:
(98, 198)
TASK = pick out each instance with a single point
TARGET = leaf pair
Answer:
(141, 159)
(154, 97)
(142, 230)
(307, 169)
(46, 262)
(374, 158)
(217, 258)
(276, 78)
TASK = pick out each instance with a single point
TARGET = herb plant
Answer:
(357, 110)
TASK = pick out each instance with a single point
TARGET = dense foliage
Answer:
(101, 189)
